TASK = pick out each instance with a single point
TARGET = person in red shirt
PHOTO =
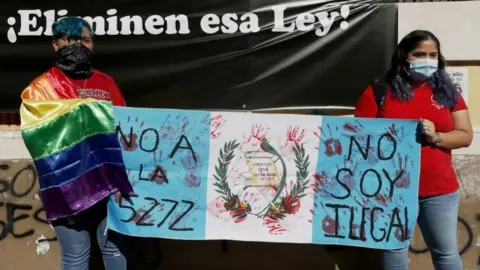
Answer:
(73, 77)
(419, 88)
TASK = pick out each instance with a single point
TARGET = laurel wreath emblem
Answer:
(288, 204)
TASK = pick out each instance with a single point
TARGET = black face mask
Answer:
(75, 61)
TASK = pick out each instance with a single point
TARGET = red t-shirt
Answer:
(98, 86)
(437, 174)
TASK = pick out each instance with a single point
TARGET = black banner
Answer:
(244, 55)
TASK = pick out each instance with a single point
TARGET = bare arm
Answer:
(461, 135)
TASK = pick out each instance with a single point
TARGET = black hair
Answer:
(398, 77)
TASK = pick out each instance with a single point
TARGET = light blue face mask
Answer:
(422, 69)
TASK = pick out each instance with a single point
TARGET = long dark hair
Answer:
(398, 77)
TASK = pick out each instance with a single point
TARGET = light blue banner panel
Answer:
(366, 182)
(166, 154)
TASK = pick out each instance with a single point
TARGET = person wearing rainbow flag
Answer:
(68, 128)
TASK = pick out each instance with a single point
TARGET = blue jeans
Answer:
(74, 238)
(437, 219)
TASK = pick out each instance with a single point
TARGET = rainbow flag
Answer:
(76, 152)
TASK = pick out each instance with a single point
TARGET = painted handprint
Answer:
(253, 141)
(326, 185)
(293, 137)
(128, 134)
(401, 171)
(321, 182)
(158, 175)
(396, 132)
(348, 179)
(175, 126)
(284, 216)
(280, 226)
(216, 124)
(217, 209)
(192, 170)
(332, 146)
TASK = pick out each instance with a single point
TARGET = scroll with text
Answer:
(201, 175)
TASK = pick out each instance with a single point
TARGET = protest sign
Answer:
(459, 76)
(273, 178)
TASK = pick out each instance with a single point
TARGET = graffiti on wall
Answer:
(22, 216)
(21, 212)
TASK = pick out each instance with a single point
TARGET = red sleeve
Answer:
(366, 106)
(461, 104)
(115, 95)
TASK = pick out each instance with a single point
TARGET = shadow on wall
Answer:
(151, 254)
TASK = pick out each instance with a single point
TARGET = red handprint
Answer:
(216, 123)
(332, 146)
(404, 177)
(253, 141)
